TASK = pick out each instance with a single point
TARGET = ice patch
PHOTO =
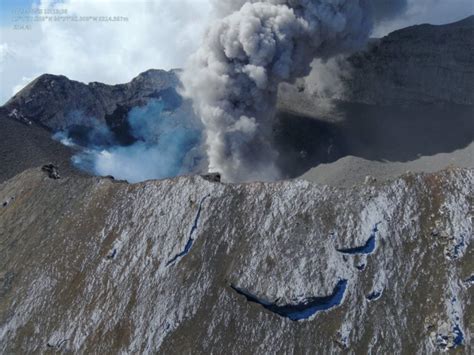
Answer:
(368, 248)
(302, 310)
(190, 242)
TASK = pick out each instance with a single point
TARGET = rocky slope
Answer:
(391, 140)
(350, 170)
(420, 64)
(189, 266)
(23, 146)
(426, 63)
(58, 103)
(383, 97)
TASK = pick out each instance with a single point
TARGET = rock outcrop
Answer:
(52, 171)
(59, 103)
(420, 64)
(24, 146)
(191, 266)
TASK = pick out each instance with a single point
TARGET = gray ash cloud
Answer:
(247, 52)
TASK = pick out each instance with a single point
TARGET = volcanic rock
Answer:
(419, 64)
(86, 266)
(57, 103)
(52, 170)
(25, 146)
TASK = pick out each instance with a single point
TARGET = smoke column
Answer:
(247, 52)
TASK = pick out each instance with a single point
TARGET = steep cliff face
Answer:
(23, 146)
(417, 65)
(420, 64)
(190, 266)
(58, 103)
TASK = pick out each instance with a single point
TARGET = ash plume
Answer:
(247, 52)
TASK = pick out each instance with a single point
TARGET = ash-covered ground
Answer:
(194, 265)
(411, 111)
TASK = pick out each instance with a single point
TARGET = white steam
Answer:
(233, 78)
(167, 143)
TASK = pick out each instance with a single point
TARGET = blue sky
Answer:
(160, 34)
(7, 7)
